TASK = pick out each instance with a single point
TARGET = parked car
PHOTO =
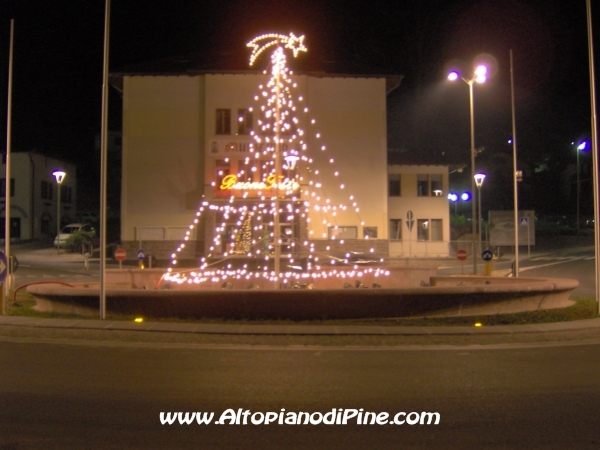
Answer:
(71, 228)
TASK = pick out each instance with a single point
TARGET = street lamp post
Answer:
(60, 176)
(479, 76)
(479, 182)
(580, 148)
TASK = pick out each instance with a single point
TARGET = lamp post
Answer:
(479, 177)
(581, 147)
(479, 76)
(60, 176)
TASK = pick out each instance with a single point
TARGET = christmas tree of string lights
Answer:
(284, 186)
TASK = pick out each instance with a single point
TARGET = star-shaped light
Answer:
(261, 43)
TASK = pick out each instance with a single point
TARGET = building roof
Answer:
(203, 64)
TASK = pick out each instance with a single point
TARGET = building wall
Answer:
(37, 215)
(163, 155)
(422, 208)
(170, 147)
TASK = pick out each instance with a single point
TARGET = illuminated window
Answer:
(244, 121)
(223, 121)
(394, 185)
(395, 229)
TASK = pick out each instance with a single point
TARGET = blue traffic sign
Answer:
(140, 255)
(487, 255)
(3, 267)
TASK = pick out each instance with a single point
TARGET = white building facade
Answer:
(419, 214)
(182, 134)
(34, 196)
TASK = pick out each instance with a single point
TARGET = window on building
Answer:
(343, 232)
(3, 187)
(394, 185)
(436, 232)
(369, 232)
(429, 230)
(66, 194)
(436, 184)
(223, 121)
(244, 121)
(395, 229)
(423, 185)
(423, 229)
(46, 192)
(222, 169)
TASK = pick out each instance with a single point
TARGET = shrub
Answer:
(80, 241)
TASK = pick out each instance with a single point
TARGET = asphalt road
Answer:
(108, 395)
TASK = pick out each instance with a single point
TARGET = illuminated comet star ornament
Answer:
(262, 43)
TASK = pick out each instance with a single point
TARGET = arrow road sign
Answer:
(140, 255)
(487, 255)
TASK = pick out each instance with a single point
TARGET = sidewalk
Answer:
(296, 330)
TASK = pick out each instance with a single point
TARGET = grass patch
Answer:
(23, 306)
(584, 308)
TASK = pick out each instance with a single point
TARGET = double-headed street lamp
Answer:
(479, 177)
(479, 76)
(60, 176)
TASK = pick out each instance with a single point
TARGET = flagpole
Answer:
(7, 283)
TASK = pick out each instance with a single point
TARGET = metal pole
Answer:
(58, 217)
(103, 159)
(594, 151)
(473, 191)
(6, 285)
(577, 149)
(515, 180)
(479, 216)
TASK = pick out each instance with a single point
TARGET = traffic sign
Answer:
(524, 221)
(140, 255)
(409, 224)
(3, 267)
(487, 255)
(409, 215)
(120, 254)
(461, 254)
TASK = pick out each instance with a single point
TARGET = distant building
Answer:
(34, 196)
(419, 217)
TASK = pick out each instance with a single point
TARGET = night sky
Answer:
(58, 68)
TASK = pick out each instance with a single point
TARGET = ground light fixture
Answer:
(479, 76)
(60, 177)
